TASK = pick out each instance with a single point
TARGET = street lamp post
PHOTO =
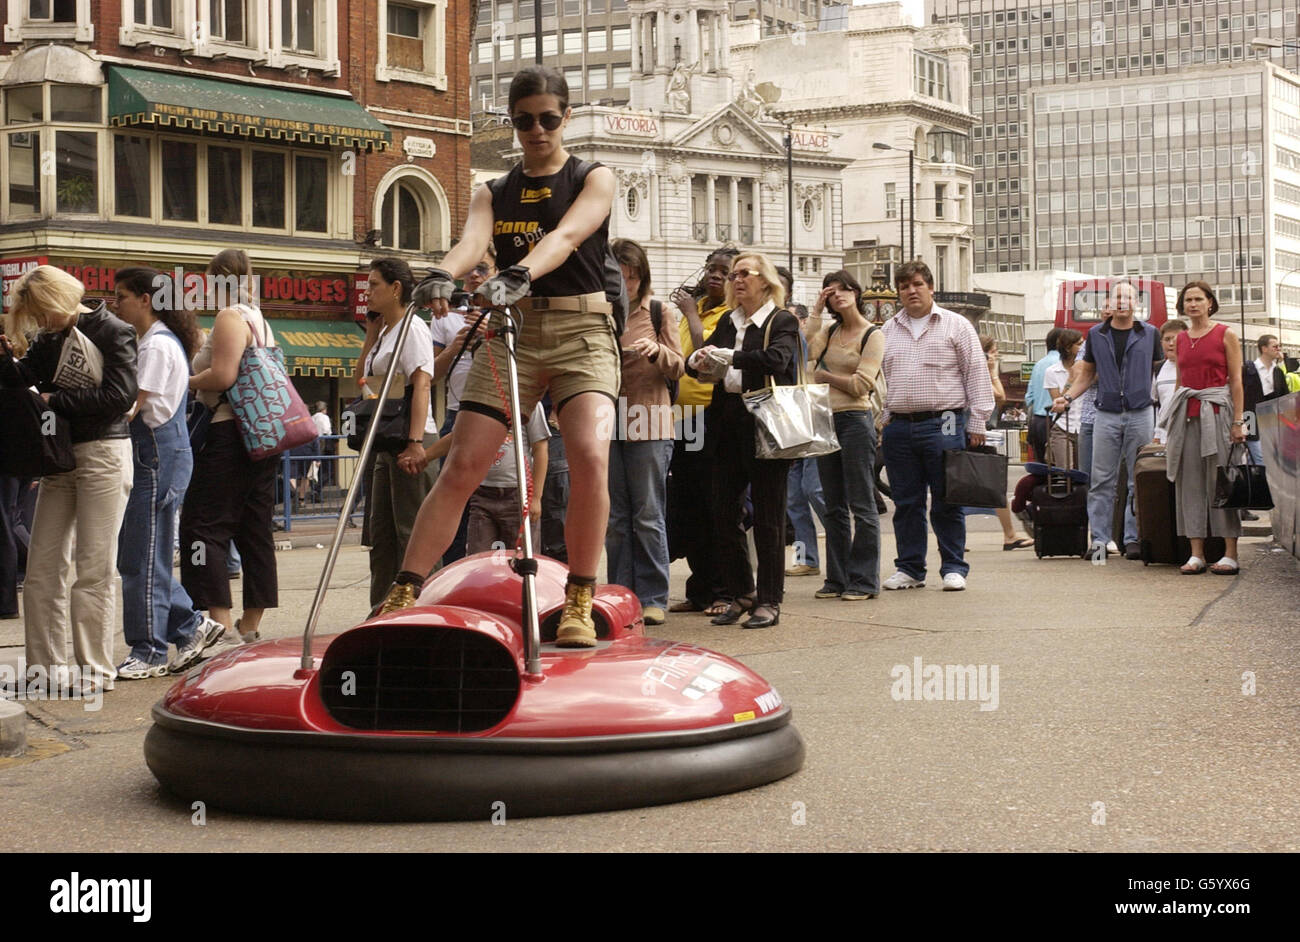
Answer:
(789, 195)
(911, 193)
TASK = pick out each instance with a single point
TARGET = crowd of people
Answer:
(633, 410)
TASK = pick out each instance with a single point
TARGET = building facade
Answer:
(314, 135)
(892, 95)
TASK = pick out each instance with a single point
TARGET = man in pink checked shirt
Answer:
(939, 397)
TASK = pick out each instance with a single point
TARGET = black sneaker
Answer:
(1132, 551)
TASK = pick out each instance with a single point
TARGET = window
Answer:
(930, 76)
(180, 161)
(152, 13)
(596, 40)
(132, 177)
(940, 192)
(622, 76)
(400, 217)
(412, 44)
(298, 26)
(621, 37)
(226, 20)
(808, 214)
(550, 44)
(597, 79)
(268, 194)
(891, 201)
(403, 21)
(24, 172)
(225, 186)
(572, 41)
(311, 184)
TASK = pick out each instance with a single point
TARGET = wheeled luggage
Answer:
(1157, 512)
(1059, 510)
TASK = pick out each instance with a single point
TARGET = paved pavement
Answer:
(1121, 725)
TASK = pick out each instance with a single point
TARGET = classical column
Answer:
(647, 43)
(715, 37)
(661, 39)
(709, 198)
(636, 44)
(654, 205)
(733, 207)
(827, 224)
(756, 194)
(725, 47)
(693, 37)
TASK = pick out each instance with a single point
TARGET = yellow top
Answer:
(690, 391)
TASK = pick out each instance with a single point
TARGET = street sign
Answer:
(1026, 371)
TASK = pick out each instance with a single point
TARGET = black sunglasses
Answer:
(549, 121)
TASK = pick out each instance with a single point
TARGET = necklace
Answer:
(1193, 341)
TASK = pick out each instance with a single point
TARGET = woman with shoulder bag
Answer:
(402, 475)
(636, 541)
(156, 610)
(848, 352)
(231, 496)
(757, 340)
(78, 513)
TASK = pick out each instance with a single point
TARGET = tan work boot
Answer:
(577, 629)
(400, 596)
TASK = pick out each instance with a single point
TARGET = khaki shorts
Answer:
(566, 352)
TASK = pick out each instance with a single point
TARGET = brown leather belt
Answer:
(593, 303)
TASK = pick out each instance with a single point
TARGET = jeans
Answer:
(234, 562)
(9, 487)
(1116, 437)
(156, 610)
(804, 491)
(1256, 451)
(636, 542)
(852, 524)
(1085, 448)
(914, 458)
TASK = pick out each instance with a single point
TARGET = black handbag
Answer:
(975, 477)
(198, 418)
(37, 440)
(393, 416)
(1242, 486)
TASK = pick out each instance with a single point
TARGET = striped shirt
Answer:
(943, 368)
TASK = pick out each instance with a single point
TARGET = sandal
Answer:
(717, 608)
(733, 611)
(1227, 566)
(1197, 564)
(687, 606)
(1017, 544)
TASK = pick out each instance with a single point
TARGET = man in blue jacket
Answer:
(1120, 355)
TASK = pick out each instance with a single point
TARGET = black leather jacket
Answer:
(92, 414)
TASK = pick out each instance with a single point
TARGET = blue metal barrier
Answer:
(318, 499)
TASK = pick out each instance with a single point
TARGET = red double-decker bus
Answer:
(1082, 304)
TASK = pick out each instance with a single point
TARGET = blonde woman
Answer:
(735, 359)
(79, 512)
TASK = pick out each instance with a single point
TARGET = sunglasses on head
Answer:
(549, 121)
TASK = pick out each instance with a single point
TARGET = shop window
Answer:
(76, 179)
(81, 104)
(132, 178)
(311, 190)
(225, 186)
(24, 154)
(268, 194)
(180, 194)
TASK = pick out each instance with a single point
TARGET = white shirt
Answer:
(163, 373)
(1265, 377)
(732, 381)
(443, 330)
(1057, 376)
(322, 422)
(1162, 390)
(416, 355)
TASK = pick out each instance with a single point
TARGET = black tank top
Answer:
(525, 209)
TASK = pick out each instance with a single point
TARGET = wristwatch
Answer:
(414, 441)
(1068, 398)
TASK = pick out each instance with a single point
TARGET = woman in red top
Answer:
(1209, 356)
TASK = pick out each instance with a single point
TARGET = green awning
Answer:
(165, 99)
(313, 348)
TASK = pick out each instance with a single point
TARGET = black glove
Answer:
(437, 284)
(507, 287)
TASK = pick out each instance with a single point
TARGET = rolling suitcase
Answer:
(1060, 514)
(1156, 511)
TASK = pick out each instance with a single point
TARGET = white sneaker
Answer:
(1112, 549)
(954, 582)
(206, 635)
(901, 580)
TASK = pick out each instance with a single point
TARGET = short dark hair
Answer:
(1264, 340)
(632, 255)
(785, 275)
(1209, 293)
(1066, 339)
(395, 270)
(905, 272)
(1052, 335)
(843, 277)
(1173, 326)
(539, 80)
